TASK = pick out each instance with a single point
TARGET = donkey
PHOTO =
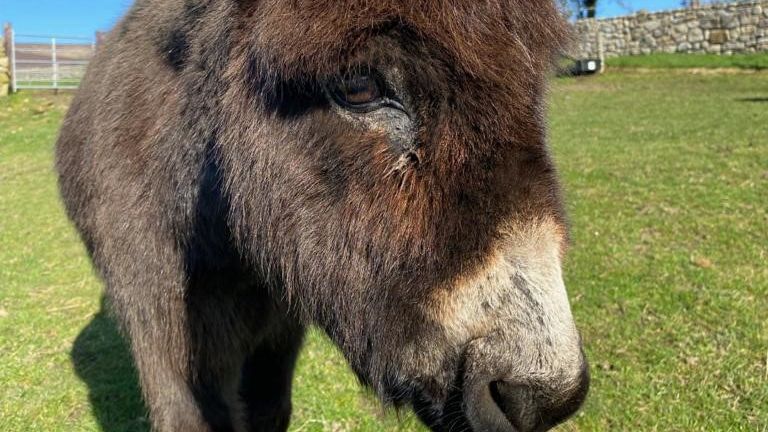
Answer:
(241, 169)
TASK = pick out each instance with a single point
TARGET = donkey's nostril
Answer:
(518, 403)
(504, 406)
(529, 408)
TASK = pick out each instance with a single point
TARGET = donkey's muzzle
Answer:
(536, 402)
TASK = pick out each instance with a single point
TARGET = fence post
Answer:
(55, 64)
(10, 51)
(6, 37)
(14, 84)
(600, 48)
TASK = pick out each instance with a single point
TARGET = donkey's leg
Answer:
(245, 345)
(157, 327)
(185, 342)
(227, 315)
(267, 379)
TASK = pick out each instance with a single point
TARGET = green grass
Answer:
(757, 61)
(667, 186)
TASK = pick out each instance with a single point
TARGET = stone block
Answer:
(728, 21)
(649, 41)
(684, 47)
(695, 35)
(748, 30)
(709, 22)
(651, 25)
(749, 20)
(718, 37)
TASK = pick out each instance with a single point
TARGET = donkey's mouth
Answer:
(443, 417)
(487, 395)
(493, 407)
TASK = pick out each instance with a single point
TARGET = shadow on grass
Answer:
(754, 99)
(102, 360)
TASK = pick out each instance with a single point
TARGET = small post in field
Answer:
(55, 64)
(10, 50)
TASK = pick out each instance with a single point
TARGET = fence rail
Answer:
(49, 62)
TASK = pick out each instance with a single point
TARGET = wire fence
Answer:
(49, 62)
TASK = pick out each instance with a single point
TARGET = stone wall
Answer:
(730, 28)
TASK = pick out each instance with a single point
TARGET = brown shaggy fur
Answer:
(227, 207)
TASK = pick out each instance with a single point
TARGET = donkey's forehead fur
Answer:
(483, 38)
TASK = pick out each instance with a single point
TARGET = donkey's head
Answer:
(388, 171)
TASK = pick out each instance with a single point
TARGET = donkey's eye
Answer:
(358, 90)
(362, 92)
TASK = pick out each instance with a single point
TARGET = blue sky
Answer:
(84, 17)
(607, 8)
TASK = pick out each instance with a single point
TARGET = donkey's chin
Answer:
(445, 415)
(441, 413)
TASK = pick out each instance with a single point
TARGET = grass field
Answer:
(667, 185)
(757, 61)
